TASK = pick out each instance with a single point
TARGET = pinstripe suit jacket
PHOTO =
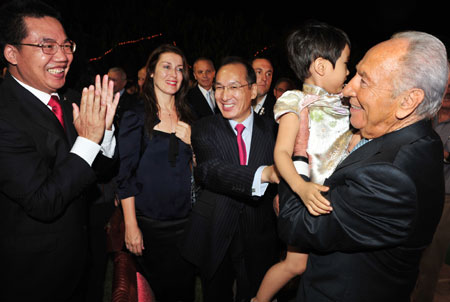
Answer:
(226, 199)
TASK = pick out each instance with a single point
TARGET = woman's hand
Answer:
(183, 132)
(134, 240)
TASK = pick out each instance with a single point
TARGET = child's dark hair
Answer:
(311, 41)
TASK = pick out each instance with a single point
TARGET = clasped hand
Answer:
(97, 108)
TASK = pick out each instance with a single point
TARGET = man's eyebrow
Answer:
(363, 74)
(53, 40)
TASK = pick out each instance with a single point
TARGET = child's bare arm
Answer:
(287, 141)
(284, 146)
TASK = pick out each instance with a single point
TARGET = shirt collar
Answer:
(248, 122)
(204, 91)
(42, 96)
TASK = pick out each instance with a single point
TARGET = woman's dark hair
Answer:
(12, 20)
(148, 89)
(311, 41)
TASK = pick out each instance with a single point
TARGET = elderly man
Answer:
(201, 96)
(387, 195)
(232, 233)
(46, 157)
(119, 77)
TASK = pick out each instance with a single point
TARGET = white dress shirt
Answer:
(83, 147)
(258, 187)
(211, 101)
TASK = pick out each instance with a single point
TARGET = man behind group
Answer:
(46, 157)
(201, 96)
(282, 85)
(232, 234)
(119, 77)
(387, 195)
(264, 102)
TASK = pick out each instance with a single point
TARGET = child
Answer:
(318, 53)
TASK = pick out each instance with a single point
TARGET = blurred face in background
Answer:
(119, 79)
(204, 73)
(264, 72)
(141, 77)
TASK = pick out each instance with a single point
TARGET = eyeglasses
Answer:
(50, 48)
(231, 88)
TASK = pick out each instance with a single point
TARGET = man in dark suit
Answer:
(46, 157)
(201, 96)
(119, 77)
(265, 100)
(387, 195)
(232, 234)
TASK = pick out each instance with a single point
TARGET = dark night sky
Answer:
(229, 28)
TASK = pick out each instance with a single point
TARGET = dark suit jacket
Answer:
(42, 206)
(387, 199)
(126, 101)
(267, 108)
(226, 201)
(199, 104)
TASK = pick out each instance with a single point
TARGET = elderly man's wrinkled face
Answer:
(204, 73)
(119, 80)
(373, 108)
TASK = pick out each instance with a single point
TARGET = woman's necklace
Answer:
(170, 113)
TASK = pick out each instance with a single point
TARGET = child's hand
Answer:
(310, 193)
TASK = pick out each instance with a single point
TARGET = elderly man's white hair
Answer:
(424, 66)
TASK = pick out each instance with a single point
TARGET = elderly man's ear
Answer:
(408, 102)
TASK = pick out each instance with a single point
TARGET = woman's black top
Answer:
(154, 168)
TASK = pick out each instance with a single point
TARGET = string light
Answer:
(124, 43)
(262, 50)
(149, 38)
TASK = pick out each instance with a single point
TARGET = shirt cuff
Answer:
(108, 144)
(86, 149)
(258, 188)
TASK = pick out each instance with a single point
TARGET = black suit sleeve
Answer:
(213, 172)
(373, 207)
(31, 177)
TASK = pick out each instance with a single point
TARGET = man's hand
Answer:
(96, 111)
(112, 100)
(270, 175)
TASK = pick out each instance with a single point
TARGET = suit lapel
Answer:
(33, 110)
(258, 141)
(388, 143)
(68, 120)
(365, 151)
(202, 101)
(228, 142)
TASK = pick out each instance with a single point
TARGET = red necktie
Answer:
(241, 145)
(56, 108)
